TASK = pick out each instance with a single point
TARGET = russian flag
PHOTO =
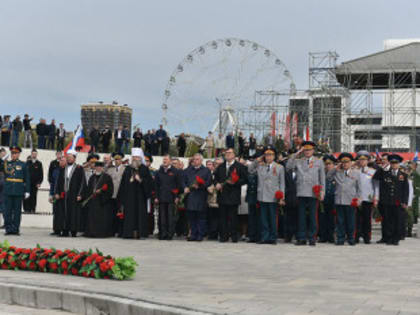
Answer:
(306, 134)
(78, 142)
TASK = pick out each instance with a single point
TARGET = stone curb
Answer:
(80, 302)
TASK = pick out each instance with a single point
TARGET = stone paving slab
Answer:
(247, 278)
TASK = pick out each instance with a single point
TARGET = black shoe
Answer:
(396, 243)
(300, 243)
(234, 241)
(389, 243)
(381, 241)
(322, 241)
(366, 241)
(2, 227)
(409, 233)
(251, 241)
(73, 234)
(53, 233)
(191, 239)
(272, 242)
(223, 240)
(261, 242)
(351, 243)
(8, 233)
(339, 243)
(200, 239)
(312, 243)
(287, 239)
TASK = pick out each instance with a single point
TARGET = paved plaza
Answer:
(247, 278)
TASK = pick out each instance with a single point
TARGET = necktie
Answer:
(268, 168)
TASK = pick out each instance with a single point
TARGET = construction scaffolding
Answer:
(387, 82)
(268, 113)
(328, 100)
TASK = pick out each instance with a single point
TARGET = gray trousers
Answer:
(27, 139)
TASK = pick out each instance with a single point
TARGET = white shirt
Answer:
(119, 134)
(69, 170)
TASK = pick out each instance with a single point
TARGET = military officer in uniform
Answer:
(370, 195)
(327, 217)
(309, 173)
(16, 187)
(270, 180)
(393, 196)
(347, 198)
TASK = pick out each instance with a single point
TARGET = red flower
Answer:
(355, 202)
(111, 263)
(120, 215)
(103, 267)
(42, 263)
(175, 191)
(199, 180)
(13, 248)
(99, 259)
(85, 274)
(62, 195)
(378, 219)
(32, 256)
(104, 187)
(27, 251)
(74, 271)
(234, 176)
(22, 264)
(92, 274)
(279, 195)
(4, 266)
(3, 255)
(65, 272)
(18, 251)
(53, 266)
(32, 266)
(64, 265)
(317, 190)
(397, 203)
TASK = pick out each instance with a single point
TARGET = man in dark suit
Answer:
(230, 140)
(229, 176)
(36, 175)
(106, 136)
(168, 183)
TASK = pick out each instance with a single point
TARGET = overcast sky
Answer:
(56, 55)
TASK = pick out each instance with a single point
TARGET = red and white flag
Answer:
(306, 134)
(295, 124)
(273, 124)
(78, 142)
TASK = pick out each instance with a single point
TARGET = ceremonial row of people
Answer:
(301, 196)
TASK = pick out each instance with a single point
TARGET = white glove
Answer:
(27, 195)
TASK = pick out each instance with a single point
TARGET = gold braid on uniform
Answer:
(6, 171)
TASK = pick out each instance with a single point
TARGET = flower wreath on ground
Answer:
(88, 264)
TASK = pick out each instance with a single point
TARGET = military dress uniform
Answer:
(327, 217)
(271, 179)
(309, 173)
(393, 195)
(346, 190)
(369, 193)
(16, 186)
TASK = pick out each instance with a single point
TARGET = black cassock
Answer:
(100, 212)
(133, 195)
(69, 212)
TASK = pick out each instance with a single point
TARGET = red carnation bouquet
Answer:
(354, 203)
(317, 189)
(233, 178)
(175, 191)
(120, 215)
(67, 262)
(198, 181)
(279, 195)
(103, 188)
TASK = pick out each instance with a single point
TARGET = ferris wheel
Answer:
(217, 79)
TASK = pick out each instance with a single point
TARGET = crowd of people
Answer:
(301, 195)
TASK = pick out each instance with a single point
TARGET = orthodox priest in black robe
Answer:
(134, 190)
(70, 190)
(100, 214)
